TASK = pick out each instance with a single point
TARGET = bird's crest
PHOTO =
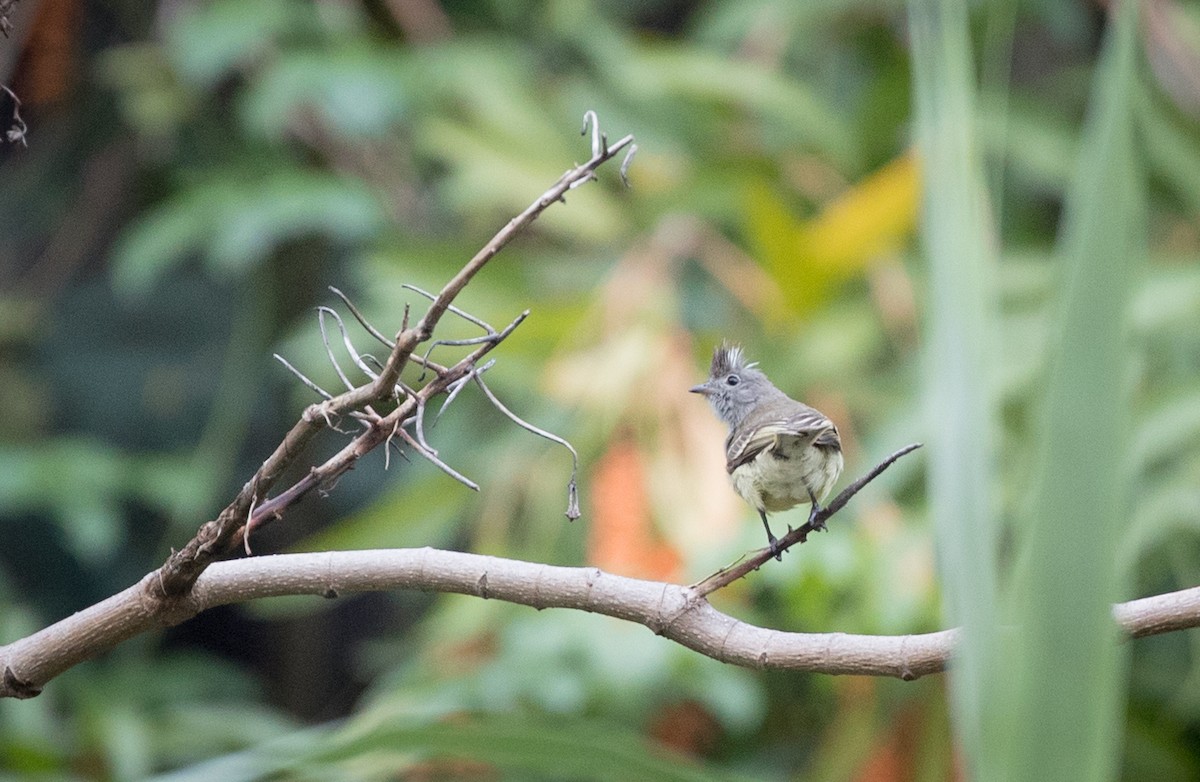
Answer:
(727, 358)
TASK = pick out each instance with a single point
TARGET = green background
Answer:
(975, 227)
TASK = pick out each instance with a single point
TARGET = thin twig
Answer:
(19, 128)
(455, 343)
(362, 321)
(572, 486)
(455, 388)
(455, 310)
(329, 349)
(322, 311)
(432, 456)
(419, 426)
(377, 334)
(350, 349)
(753, 561)
(387, 447)
(311, 385)
(633, 148)
(405, 414)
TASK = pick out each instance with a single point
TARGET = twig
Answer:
(432, 456)
(19, 128)
(754, 561)
(300, 375)
(418, 423)
(456, 388)
(329, 349)
(454, 310)
(456, 343)
(572, 487)
(383, 429)
(350, 349)
(633, 148)
(374, 332)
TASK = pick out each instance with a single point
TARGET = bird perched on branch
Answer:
(780, 453)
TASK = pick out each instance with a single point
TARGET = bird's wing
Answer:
(756, 437)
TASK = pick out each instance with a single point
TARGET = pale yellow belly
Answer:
(774, 484)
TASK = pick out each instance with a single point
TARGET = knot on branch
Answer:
(13, 686)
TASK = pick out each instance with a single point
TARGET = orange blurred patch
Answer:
(48, 67)
(687, 727)
(621, 538)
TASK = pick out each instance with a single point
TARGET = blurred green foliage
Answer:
(212, 166)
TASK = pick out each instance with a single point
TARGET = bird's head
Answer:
(734, 385)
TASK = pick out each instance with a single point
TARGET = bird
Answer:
(780, 453)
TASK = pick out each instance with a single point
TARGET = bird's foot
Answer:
(774, 547)
(815, 523)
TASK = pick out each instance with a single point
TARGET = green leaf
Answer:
(1065, 668)
(234, 223)
(960, 358)
(530, 746)
(208, 40)
(357, 90)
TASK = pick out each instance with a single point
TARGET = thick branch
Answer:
(675, 612)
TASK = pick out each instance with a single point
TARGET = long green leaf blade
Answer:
(958, 242)
(1067, 708)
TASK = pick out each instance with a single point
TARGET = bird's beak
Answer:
(700, 389)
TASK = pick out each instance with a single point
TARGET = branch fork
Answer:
(383, 388)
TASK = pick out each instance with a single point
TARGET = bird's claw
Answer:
(774, 547)
(814, 523)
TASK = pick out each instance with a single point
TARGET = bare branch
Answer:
(581, 173)
(382, 429)
(675, 612)
(220, 536)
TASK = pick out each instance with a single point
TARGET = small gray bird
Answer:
(780, 453)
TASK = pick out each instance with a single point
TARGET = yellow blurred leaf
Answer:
(775, 234)
(807, 258)
(870, 218)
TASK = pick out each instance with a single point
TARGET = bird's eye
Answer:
(732, 380)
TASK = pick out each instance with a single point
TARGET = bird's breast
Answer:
(781, 476)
